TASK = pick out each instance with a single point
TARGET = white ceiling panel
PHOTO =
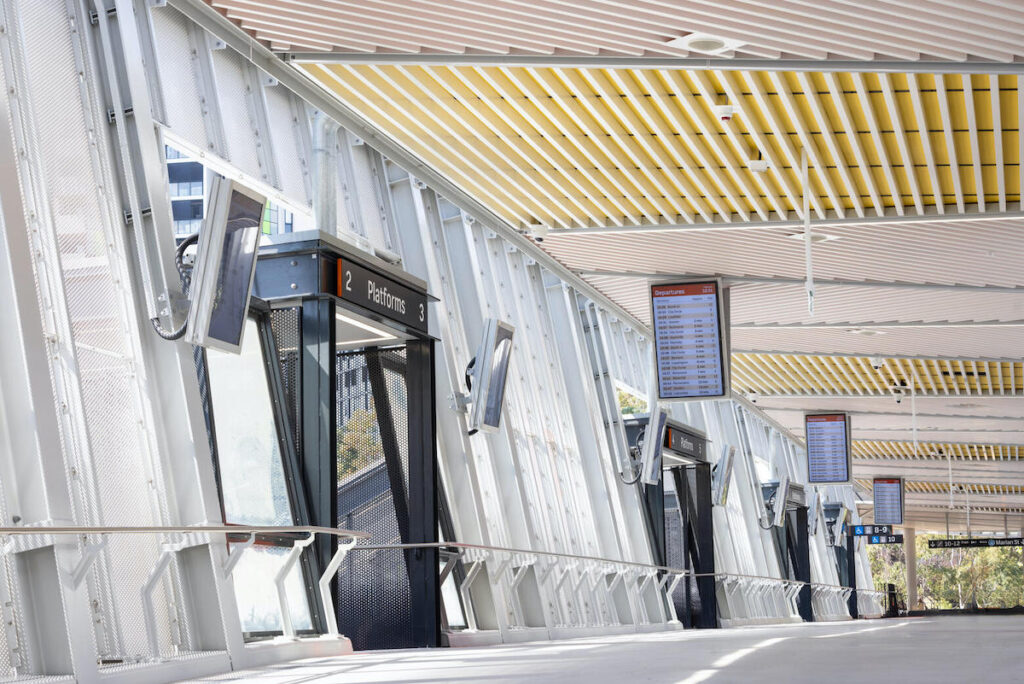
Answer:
(847, 29)
(981, 252)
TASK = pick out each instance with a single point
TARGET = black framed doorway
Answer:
(357, 374)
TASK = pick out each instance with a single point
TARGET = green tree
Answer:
(358, 443)
(954, 578)
(630, 404)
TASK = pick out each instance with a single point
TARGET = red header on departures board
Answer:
(683, 290)
(837, 417)
(888, 480)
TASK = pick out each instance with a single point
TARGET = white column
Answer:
(910, 549)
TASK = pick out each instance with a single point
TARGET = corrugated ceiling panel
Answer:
(862, 29)
(583, 148)
(970, 252)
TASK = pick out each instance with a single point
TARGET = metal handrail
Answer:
(29, 530)
(609, 561)
(350, 539)
(347, 539)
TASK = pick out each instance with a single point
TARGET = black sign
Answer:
(686, 444)
(382, 295)
(885, 539)
(983, 542)
(869, 530)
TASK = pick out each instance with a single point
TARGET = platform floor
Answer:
(927, 649)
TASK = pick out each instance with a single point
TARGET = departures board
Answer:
(690, 340)
(887, 494)
(828, 448)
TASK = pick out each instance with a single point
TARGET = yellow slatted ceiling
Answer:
(606, 147)
(864, 449)
(918, 487)
(768, 374)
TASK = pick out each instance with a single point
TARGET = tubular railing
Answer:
(183, 537)
(475, 554)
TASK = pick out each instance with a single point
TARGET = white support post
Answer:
(287, 629)
(910, 551)
(236, 555)
(467, 599)
(148, 610)
(325, 586)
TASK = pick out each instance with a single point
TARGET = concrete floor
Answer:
(906, 651)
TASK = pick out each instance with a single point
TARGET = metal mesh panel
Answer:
(290, 166)
(178, 77)
(284, 325)
(373, 461)
(238, 128)
(10, 619)
(112, 462)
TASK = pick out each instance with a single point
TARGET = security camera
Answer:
(877, 362)
(723, 112)
(897, 393)
(537, 231)
(753, 397)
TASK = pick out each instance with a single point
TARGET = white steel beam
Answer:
(799, 281)
(235, 38)
(969, 212)
(685, 63)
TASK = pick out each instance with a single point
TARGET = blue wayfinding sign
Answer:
(885, 539)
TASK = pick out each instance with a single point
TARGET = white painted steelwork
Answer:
(103, 426)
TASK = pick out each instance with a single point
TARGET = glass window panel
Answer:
(248, 450)
(256, 594)
(252, 480)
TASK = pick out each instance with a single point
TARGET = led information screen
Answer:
(690, 349)
(888, 498)
(974, 543)
(828, 447)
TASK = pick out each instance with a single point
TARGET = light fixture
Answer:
(705, 43)
(866, 332)
(757, 165)
(381, 334)
(816, 238)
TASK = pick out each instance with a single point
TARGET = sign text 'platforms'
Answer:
(382, 295)
(828, 448)
(887, 494)
(689, 340)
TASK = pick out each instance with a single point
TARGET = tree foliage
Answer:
(954, 578)
(630, 404)
(358, 443)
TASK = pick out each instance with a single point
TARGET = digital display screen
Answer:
(234, 273)
(688, 340)
(498, 371)
(828, 448)
(887, 493)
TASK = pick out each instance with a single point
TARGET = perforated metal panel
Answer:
(111, 462)
(374, 608)
(178, 77)
(238, 129)
(284, 325)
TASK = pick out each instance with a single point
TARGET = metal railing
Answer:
(186, 536)
(789, 588)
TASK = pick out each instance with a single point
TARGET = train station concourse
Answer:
(511, 341)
